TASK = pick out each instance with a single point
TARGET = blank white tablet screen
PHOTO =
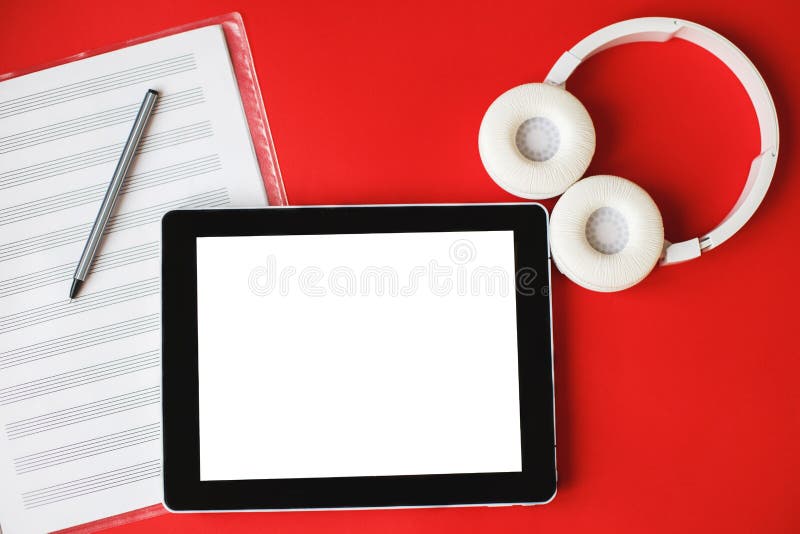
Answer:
(357, 355)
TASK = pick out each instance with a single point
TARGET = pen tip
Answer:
(73, 290)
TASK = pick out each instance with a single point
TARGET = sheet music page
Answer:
(80, 423)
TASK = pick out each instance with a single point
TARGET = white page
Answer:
(80, 381)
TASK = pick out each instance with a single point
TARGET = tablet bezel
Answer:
(183, 489)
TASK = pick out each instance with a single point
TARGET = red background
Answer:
(677, 401)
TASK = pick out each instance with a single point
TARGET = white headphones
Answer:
(606, 233)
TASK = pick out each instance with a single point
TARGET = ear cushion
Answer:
(606, 233)
(553, 129)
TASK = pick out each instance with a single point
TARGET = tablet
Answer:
(351, 357)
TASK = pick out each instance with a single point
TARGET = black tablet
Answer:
(349, 357)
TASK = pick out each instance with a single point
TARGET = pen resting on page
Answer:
(110, 200)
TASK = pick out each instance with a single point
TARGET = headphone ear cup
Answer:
(606, 233)
(536, 140)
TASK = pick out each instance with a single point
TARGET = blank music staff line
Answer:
(97, 85)
(95, 121)
(103, 155)
(79, 377)
(87, 448)
(94, 193)
(80, 340)
(92, 484)
(83, 412)
(63, 272)
(91, 301)
(74, 234)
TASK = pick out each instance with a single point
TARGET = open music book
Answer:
(79, 381)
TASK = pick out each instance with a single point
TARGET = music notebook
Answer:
(80, 422)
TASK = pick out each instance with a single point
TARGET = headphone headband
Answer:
(661, 29)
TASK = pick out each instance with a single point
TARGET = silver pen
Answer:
(107, 207)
